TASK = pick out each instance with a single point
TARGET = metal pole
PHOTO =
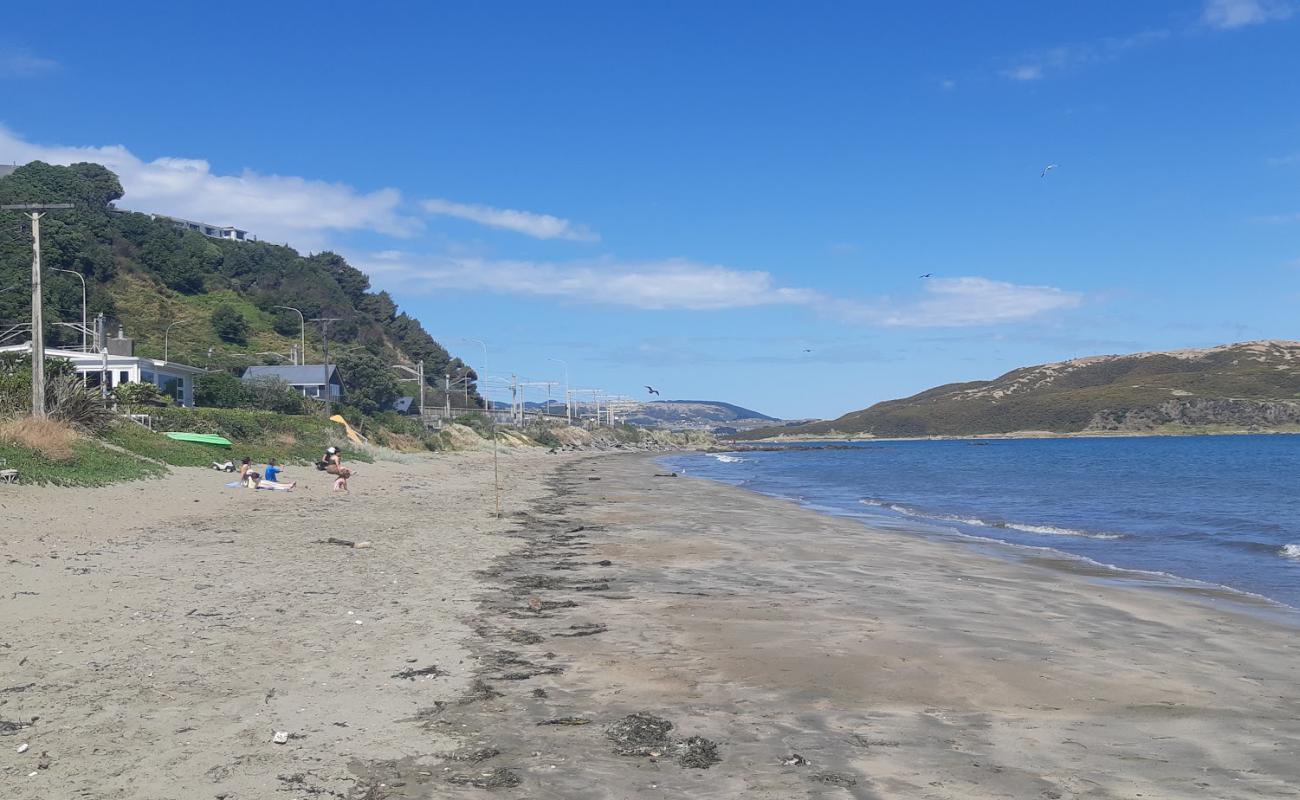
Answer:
(302, 327)
(82, 278)
(446, 393)
(325, 346)
(167, 337)
(568, 409)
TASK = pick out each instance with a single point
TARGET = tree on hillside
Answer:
(370, 384)
(230, 325)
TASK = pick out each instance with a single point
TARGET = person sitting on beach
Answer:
(271, 478)
(247, 476)
(334, 466)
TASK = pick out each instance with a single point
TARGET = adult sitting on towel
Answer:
(334, 465)
(247, 477)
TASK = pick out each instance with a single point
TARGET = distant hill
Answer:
(698, 414)
(1245, 386)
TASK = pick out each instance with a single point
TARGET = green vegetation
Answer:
(261, 434)
(144, 442)
(145, 274)
(1236, 387)
(91, 464)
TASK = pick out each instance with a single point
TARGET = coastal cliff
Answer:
(1249, 386)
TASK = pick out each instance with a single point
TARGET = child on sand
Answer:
(271, 479)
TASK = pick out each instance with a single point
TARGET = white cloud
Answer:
(1230, 14)
(276, 208)
(682, 285)
(20, 63)
(1289, 160)
(1040, 64)
(653, 285)
(538, 226)
(970, 301)
(1280, 219)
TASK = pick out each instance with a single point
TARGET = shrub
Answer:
(69, 401)
(230, 325)
(50, 438)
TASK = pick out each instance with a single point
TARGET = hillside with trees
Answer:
(1251, 386)
(218, 297)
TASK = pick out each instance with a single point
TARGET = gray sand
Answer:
(165, 648)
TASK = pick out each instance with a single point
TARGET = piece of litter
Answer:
(280, 737)
(22, 748)
(361, 545)
(359, 622)
(33, 774)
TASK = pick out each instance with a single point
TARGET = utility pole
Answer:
(446, 393)
(325, 346)
(34, 210)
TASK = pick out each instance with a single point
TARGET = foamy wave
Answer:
(1042, 530)
(1290, 551)
(726, 459)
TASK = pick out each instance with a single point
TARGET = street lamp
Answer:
(496, 470)
(568, 411)
(84, 330)
(302, 323)
(167, 337)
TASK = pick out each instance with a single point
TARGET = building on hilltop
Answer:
(306, 378)
(211, 231)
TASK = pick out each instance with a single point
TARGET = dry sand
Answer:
(160, 632)
(165, 648)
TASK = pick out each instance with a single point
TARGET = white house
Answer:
(174, 380)
(213, 231)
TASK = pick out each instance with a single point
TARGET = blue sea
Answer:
(1218, 510)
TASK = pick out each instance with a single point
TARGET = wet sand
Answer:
(167, 642)
(895, 666)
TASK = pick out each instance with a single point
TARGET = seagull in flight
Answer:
(926, 275)
(1048, 169)
(652, 390)
(807, 350)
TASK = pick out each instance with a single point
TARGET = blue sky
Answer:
(692, 195)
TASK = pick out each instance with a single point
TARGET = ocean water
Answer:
(1222, 510)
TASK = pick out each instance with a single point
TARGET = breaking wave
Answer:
(976, 522)
(726, 459)
(1290, 551)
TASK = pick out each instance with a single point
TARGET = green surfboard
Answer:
(199, 438)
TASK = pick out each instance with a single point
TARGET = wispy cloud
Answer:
(683, 285)
(22, 63)
(1289, 160)
(538, 226)
(1064, 58)
(1279, 219)
(970, 301)
(1231, 14)
(279, 208)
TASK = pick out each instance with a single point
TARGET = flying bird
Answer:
(652, 390)
(1047, 169)
(926, 275)
(807, 350)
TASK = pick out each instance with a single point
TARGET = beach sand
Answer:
(164, 650)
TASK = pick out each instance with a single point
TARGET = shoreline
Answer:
(809, 655)
(824, 658)
(1193, 589)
